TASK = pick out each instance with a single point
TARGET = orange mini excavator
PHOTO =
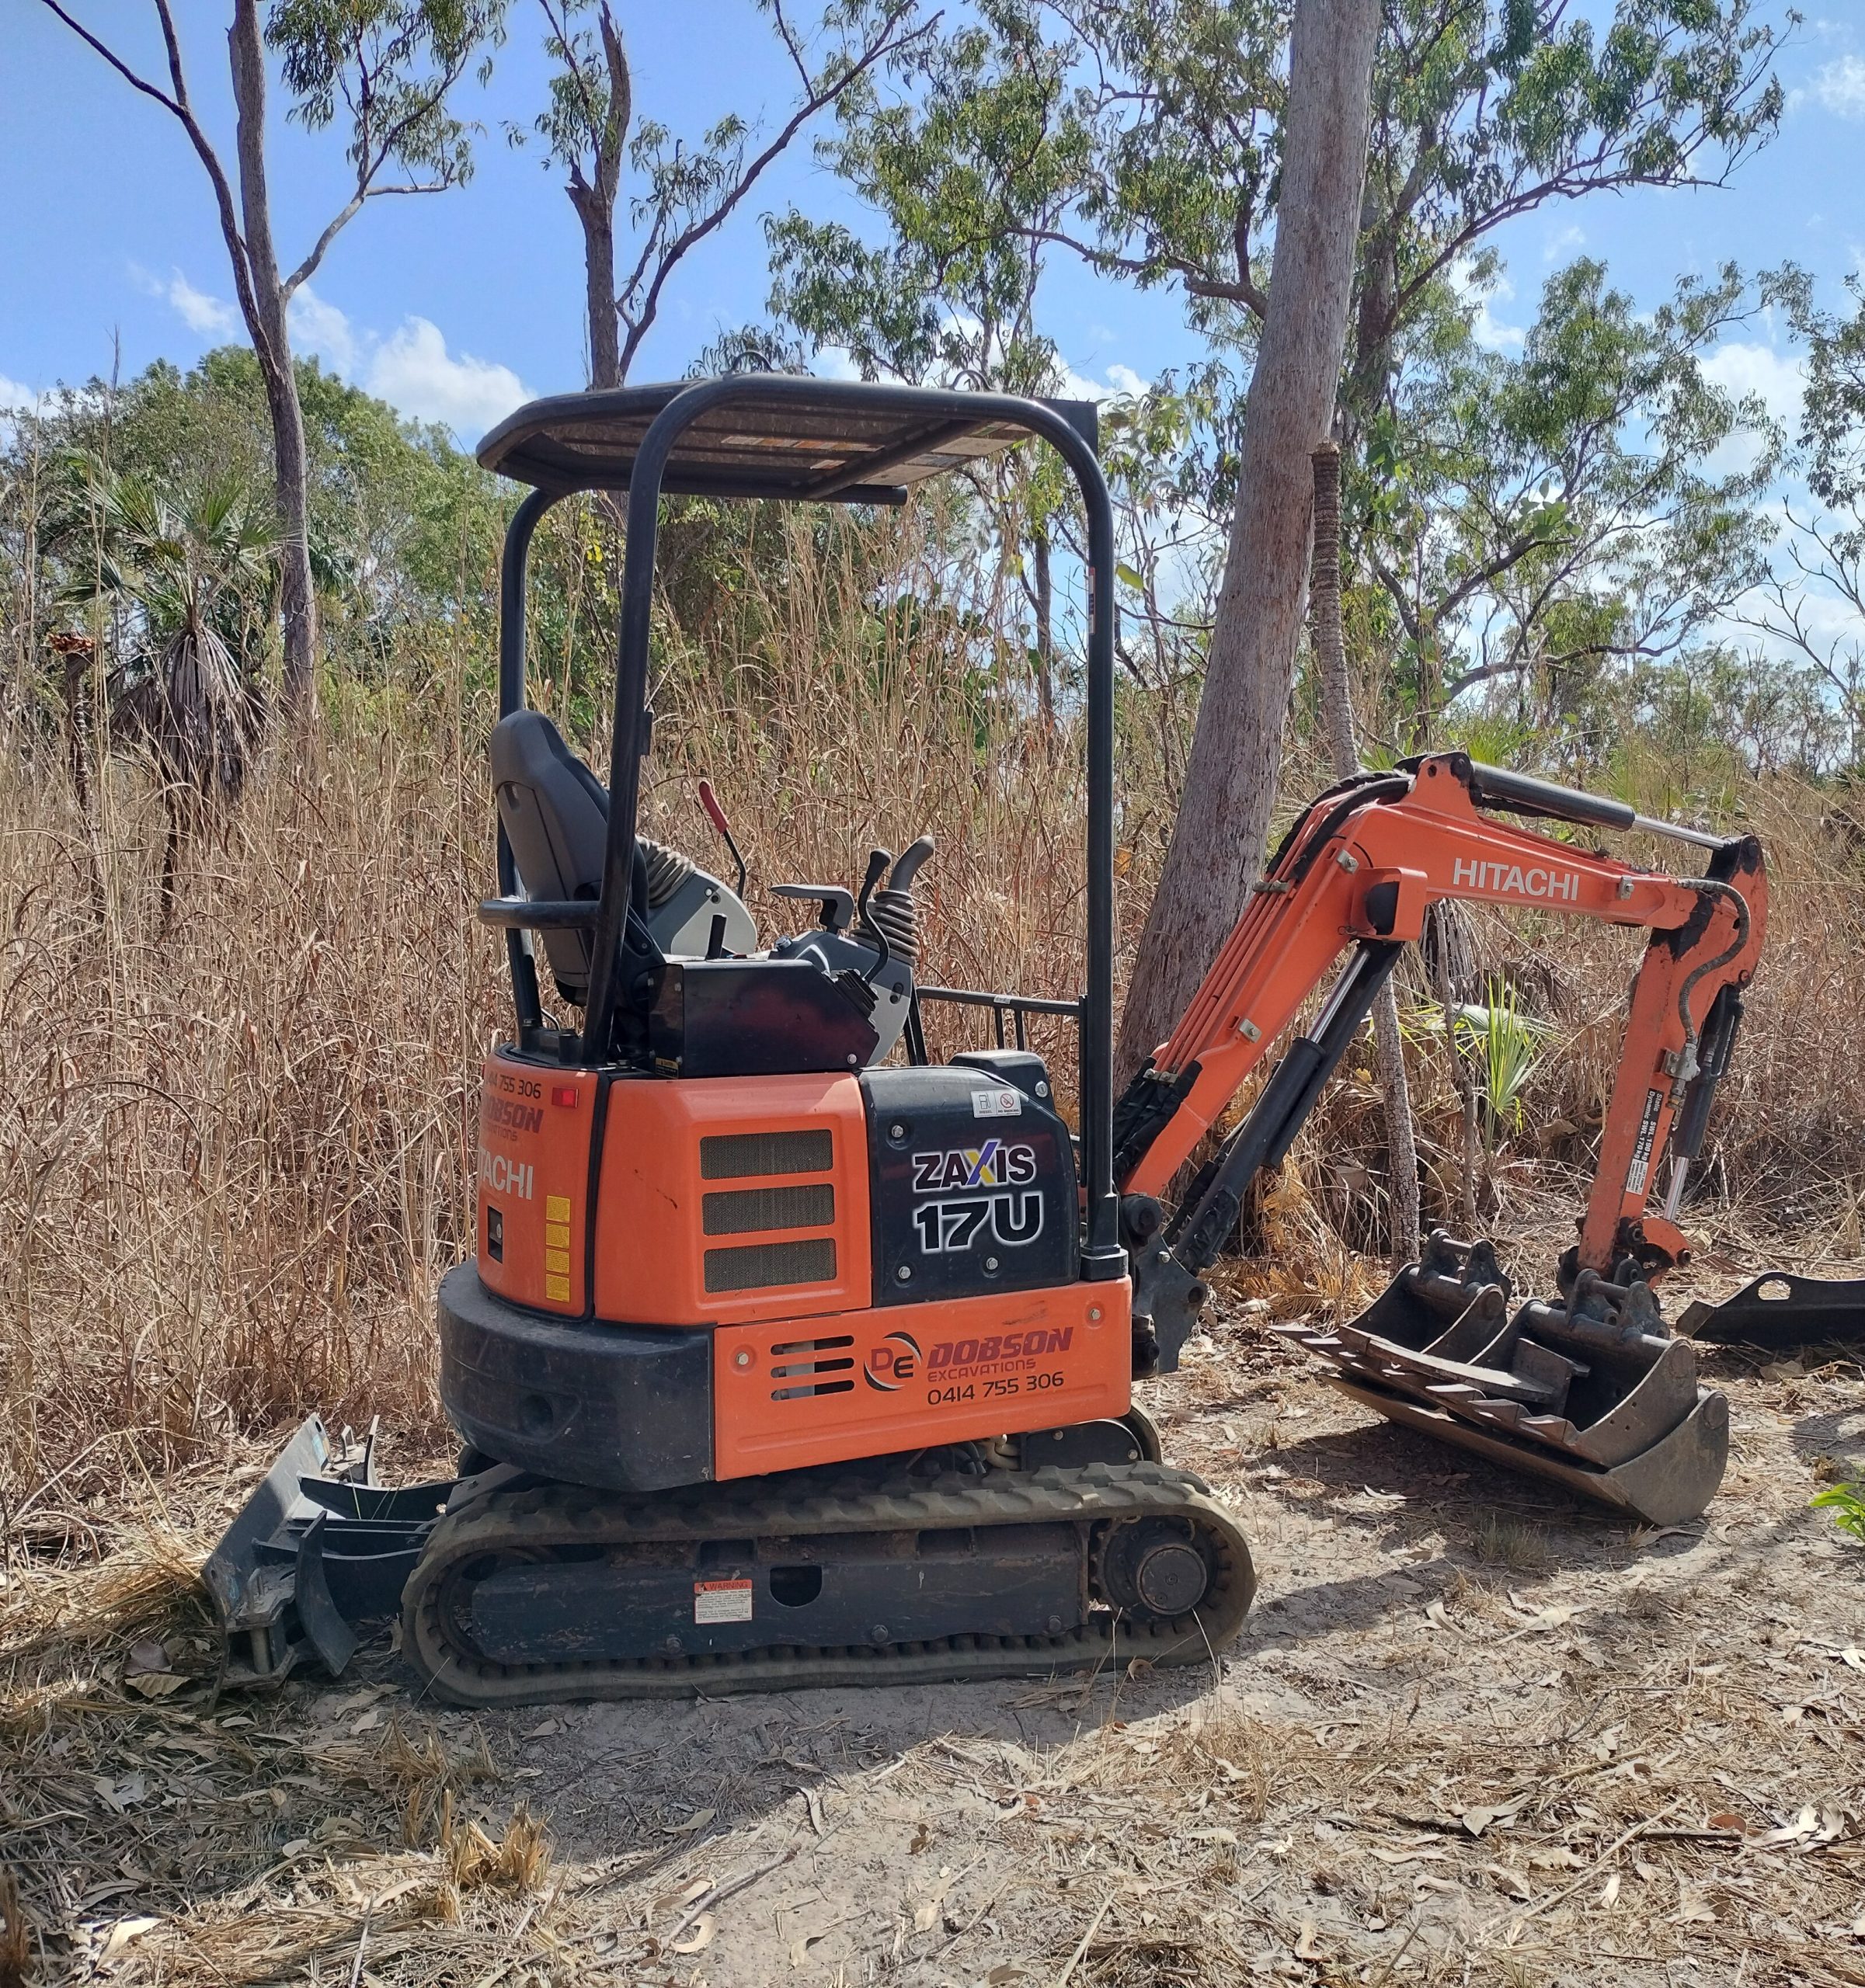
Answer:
(789, 1356)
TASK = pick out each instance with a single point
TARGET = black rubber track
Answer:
(535, 1523)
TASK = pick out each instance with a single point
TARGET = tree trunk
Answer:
(1217, 845)
(272, 343)
(593, 198)
(599, 286)
(1337, 710)
(1045, 596)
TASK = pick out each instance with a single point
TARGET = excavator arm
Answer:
(1355, 875)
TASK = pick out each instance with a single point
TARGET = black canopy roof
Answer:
(801, 439)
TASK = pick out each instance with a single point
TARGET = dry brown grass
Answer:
(239, 1155)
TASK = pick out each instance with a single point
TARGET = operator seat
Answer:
(726, 1016)
(556, 817)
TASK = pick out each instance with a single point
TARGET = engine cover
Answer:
(972, 1184)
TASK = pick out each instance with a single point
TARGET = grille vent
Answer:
(813, 1358)
(759, 1266)
(740, 1156)
(743, 1210)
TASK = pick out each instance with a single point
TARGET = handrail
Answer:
(516, 914)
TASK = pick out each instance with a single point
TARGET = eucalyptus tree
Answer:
(682, 190)
(1529, 524)
(966, 154)
(1482, 111)
(384, 73)
(1810, 609)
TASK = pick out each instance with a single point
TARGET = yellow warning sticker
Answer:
(558, 1287)
(557, 1262)
(556, 1235)
(556, 1208)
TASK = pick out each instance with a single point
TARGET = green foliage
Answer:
(967, 167)
(1846, 1503)
(387, 67)
(189, 577)
(1535, 523)
(1507, 1046)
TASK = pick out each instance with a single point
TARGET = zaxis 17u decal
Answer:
(962, 1222)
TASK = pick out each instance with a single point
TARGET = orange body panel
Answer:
(535, 1125)
(870, 1383)
(672, 1217)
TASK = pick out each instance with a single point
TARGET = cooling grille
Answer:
(740, 1156)
(813, 1357)
(743, 1210)
(759, 1266)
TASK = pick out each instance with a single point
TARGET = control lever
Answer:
(838, 905)
(907, 868)
(709, 800)
(877, 861)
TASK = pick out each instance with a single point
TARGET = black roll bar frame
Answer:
(1103, 1257)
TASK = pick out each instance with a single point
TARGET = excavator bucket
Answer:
(1780, 1312)
(1593, 1394)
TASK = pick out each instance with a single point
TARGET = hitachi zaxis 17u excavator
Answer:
(789, 1356)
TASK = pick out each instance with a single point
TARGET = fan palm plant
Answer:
(190, 578)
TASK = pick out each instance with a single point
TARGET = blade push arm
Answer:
(1357, 872)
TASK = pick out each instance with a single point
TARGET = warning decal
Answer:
(721, 1601)
(1647, 1137)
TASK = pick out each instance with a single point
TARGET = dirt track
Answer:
(1465, 1737)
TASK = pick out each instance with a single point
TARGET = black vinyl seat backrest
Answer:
(556, 817)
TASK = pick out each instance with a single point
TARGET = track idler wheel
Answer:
(1153, 1567)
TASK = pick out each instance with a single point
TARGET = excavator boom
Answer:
(1357, 874)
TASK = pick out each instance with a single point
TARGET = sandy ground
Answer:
(1467, 1736)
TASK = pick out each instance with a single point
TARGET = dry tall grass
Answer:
(237, 1155)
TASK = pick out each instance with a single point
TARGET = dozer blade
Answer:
(312, 1553)
(1780, 1311)
(1594, 1394)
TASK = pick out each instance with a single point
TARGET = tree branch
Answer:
(179, 107)
(819, 98)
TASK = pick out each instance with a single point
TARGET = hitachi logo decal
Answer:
(506, 1176)
(1562, 885)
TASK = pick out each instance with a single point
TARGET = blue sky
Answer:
(454, 307)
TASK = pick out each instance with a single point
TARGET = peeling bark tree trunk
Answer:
(593, 194)
(1336, 711)
(264, 307)
(1217, 850)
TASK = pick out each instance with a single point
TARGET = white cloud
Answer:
(201, 313)
(414, 371)
(1121, 380)
(411, 368)
(1742, 368)
(1566, 242)
(321, 328)
(1489, 330)
(1840, 87)
(835, 362)
(16, 399)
